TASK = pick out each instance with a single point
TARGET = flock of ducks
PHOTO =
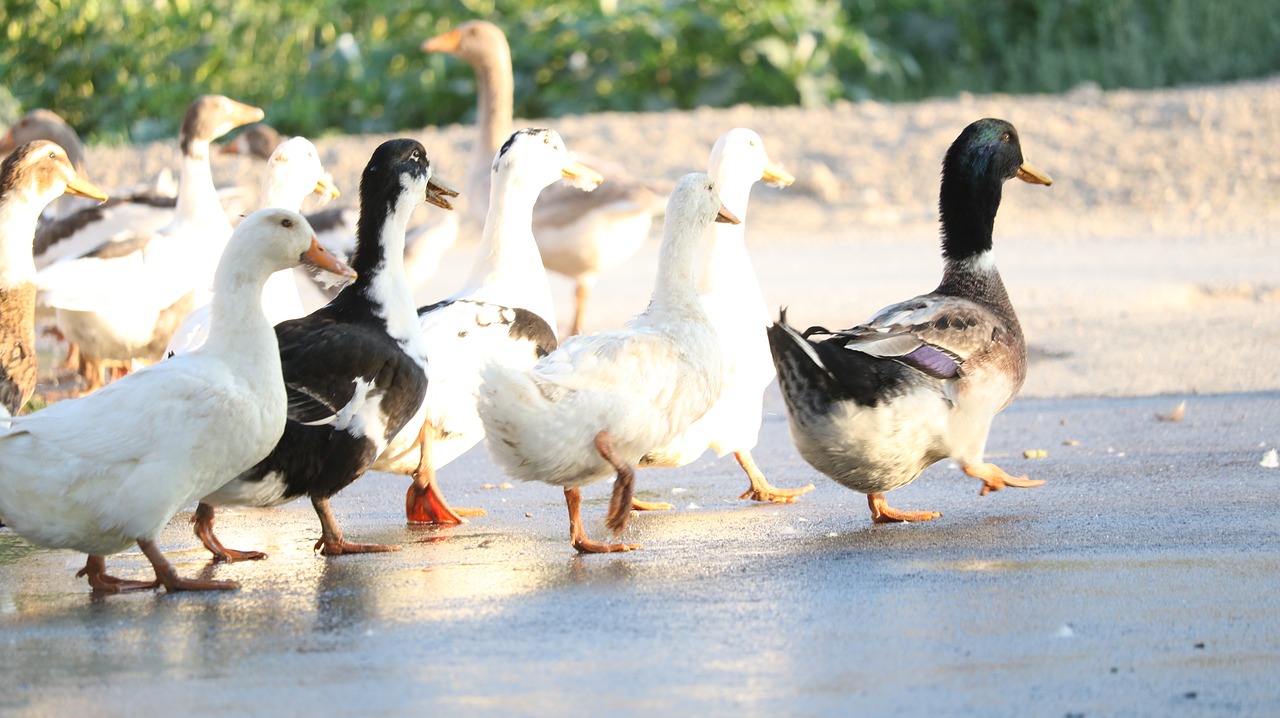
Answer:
(259, 401)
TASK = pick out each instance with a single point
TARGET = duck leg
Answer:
(581, 294)
(623, 486)
(96, 570)
(882, 514)
(578, 536)
(331, 542)
(761, 489)
(169, 578)
(203, 520)
(423, 503)
(639, 505)
(994, 478)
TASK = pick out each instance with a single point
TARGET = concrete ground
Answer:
(1139, 580)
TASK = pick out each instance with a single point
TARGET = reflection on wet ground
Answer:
(1141, 574)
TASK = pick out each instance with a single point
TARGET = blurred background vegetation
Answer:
(124, 70)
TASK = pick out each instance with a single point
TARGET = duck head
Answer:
(978, 163)
(540, 158)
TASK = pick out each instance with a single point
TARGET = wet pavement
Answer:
(1140, 580)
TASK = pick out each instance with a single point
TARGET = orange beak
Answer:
(445, 42)
(318, 256)
(724, 216)
(85, 188)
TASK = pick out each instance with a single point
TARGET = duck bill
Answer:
(245, 114)
(85, 188)
(444, 42)
(724, 216)
(318, 256)
(1029, 174)
(581, 175)
(438, 192)
(326, 188)
(777, 176)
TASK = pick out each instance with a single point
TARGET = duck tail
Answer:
(509, 404)
(801, 372)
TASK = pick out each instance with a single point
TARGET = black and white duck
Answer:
(504, 314)
(874, 405)
(355, 369)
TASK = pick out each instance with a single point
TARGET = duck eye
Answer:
(286, 223)
(1005, 138)
(415, 154)
(53, 155)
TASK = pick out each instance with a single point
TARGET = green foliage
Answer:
(126, 69)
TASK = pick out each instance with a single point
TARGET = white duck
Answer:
(600, 402)
(293, 171)
(124, 302)
(33, 175)
(73, 480)
(731, 297)
(579, 235)
(504, 314)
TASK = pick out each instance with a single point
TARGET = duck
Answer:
(598, 403)
(74, 480)
(504, 313)
(732, 298)
(354, 370)
(293, 172)
(425, 244)
(921, 381)
(44, 124)
(579, 235)
(123, 300)
(33, 175)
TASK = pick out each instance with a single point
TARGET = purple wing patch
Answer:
(932, 361)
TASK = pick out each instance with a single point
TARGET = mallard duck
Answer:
(32, 176)
(503, 314)
(732, 299)
(599, 402)
(73, 479)
(123, 301)
(579, 235)
(292, 173)
(354, 369)
(873, 405)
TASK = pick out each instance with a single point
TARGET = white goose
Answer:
(33, 175)
(293, 171)
(73, 480)
(504, 314)
(600, 402)
(124, 302)
(731, 297)
(579, 235)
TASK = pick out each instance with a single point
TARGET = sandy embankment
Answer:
(1149, 267)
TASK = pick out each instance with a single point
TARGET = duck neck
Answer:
(197, 197)
(674, 290)
(238, 330)
(507, 248)
(726, 264)
(495, 91)
(18, 218)
(379, 262)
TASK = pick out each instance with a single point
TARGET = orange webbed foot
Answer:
(994, 478)
(882, 513)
